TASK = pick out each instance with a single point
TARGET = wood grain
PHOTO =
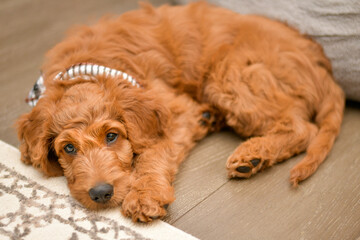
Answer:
(326, 206)
(202, 173)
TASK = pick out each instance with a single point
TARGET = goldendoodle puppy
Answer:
(127, 98)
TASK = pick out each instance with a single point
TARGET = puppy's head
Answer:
(91, 132)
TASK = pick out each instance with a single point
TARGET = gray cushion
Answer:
(335, 24)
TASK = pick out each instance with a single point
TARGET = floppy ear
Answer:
(37, 141)
(145, 119)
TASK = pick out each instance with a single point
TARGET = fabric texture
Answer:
(35, 207)
(335, 24)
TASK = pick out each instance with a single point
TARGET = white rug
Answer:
(35, 207)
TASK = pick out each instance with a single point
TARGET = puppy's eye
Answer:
(70, 149)
(111, 137)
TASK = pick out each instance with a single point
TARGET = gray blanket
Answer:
(335, 24)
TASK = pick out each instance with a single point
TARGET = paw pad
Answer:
(205, 118)
(243, 169)
(206, 115)
(255, 162)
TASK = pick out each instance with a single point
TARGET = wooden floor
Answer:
(208, 205)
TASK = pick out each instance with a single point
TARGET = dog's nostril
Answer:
(101, 193)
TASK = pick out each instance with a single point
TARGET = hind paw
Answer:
(243, 167)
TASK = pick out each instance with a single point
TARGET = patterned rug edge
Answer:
(32, 207)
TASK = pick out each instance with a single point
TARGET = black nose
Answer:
(101, 193)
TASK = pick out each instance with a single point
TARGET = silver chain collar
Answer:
(85, 71)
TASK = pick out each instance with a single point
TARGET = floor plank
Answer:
(202, 173)
(327, 206)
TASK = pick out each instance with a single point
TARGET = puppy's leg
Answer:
(257, 102)
(289, 136)
(155, 168)
(152, 189)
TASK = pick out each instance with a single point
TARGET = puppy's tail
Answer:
(328, 118)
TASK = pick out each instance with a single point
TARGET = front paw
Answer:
(210, 119)
(142, 207)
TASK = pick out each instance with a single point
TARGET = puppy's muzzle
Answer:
(101, 193)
